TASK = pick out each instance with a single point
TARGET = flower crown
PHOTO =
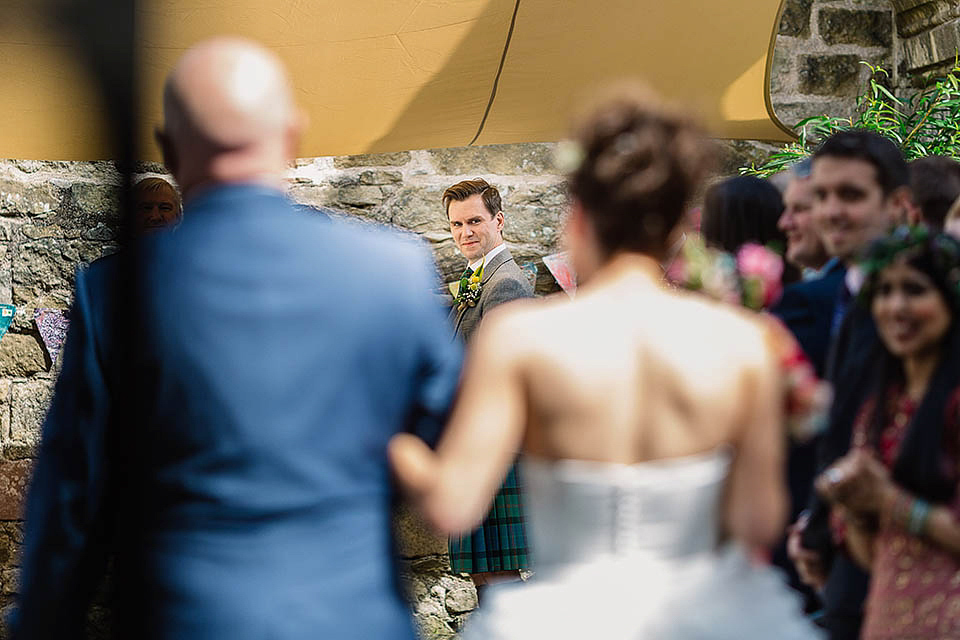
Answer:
(906, 242)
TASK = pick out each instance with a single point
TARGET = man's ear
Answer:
(901, 205)
(297, 127)
(499, 219)
(170, 160)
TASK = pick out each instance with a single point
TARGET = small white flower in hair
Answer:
(568, 156)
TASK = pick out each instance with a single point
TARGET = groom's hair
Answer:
(476, 187)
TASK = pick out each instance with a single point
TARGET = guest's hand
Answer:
(809, 564)
(858, 481)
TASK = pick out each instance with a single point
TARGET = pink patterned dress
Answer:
(914, 585)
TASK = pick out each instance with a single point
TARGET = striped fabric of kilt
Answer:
(500, 543)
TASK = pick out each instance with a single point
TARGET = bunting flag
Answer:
(52, 324)
(562, 271)
(530, 270)
(7, 312)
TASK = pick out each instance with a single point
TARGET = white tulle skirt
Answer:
(717, 596)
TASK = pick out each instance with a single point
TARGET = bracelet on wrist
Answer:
(907, 512)
(919, 514)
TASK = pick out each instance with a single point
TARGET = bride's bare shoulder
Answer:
(722, 325)
(522, 323)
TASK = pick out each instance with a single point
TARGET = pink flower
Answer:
(763, 266)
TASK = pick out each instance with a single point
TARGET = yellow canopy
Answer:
(388, 75)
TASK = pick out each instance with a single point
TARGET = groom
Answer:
(497, 550)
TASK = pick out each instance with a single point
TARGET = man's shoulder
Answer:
(380, 243)
(818, 292)
(511, 285)
(510, 272)
(99, 277)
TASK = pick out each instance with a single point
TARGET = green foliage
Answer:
(923, 124)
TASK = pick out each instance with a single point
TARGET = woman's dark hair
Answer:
(745, 209)
(741, 210)
(921, 465)
(640, 164)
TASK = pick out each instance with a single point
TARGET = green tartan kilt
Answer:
(500, 543)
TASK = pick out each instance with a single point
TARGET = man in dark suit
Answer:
(860, 185)
(497, 550)
(273, 362)
(806, 308)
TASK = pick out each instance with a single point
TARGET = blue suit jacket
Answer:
(806, 308)
(277, 353)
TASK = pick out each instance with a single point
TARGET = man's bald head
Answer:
(228, 111)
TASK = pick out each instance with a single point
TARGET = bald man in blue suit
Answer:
(277, 352)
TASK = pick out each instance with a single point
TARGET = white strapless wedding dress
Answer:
(633, 552)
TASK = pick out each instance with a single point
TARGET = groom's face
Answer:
(475, 230)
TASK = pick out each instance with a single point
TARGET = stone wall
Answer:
(820, 43)
(928, 33)
(55, 216)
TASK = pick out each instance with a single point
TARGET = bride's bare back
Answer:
(632, 371)
(628, 372)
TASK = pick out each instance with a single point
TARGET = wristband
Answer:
(919, 514)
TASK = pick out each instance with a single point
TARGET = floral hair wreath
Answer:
(906, 242)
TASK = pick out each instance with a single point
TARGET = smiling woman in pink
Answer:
(896, 503)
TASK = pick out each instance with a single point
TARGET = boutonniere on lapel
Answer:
(468, 291)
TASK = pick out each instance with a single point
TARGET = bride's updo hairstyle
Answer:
(640, 162)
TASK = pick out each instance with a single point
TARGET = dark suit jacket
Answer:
(273, 364)
(848, 369)
(806, 308)
(503, 280)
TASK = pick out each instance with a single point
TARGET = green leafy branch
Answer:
(924, 123)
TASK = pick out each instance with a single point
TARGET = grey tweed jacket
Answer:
(503, 280)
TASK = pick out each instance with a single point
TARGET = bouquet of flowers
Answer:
(469, 288)
(752, 279)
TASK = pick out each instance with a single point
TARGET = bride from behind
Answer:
(649, 419)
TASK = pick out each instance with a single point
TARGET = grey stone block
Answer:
(461, 600)
(500, 159)
(44, 270)
(418, 209)
(856, 26)
(356, 195)
(6, 274)
(381, 177)
(396, 159)
(829, 75)
(21, 356)
(795, 20)
(932, 47)
(20, 197)
(29, 403)
(917, 16)
(414, 537)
